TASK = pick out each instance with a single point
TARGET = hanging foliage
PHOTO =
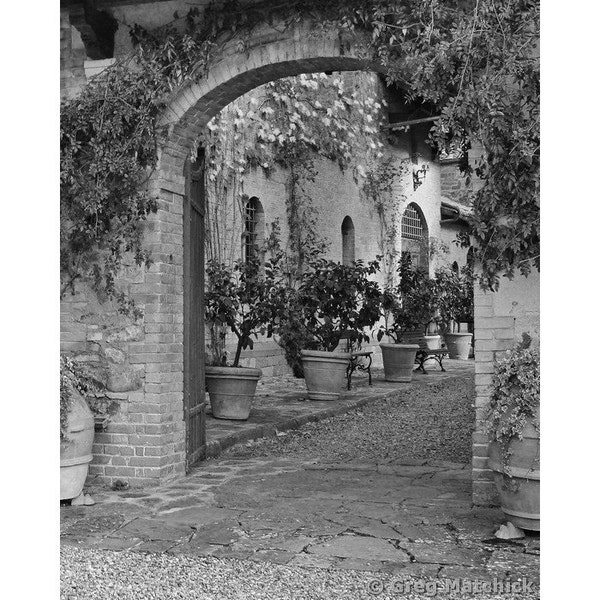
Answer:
(476, 61)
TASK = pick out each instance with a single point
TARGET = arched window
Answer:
(254, 228)
(455, 267)
(415, 236)
(347, 241)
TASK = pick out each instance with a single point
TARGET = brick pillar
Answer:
(159, 440)
(144, 443)
(495, 334)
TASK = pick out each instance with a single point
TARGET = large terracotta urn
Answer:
(458, 344)
(325, 373)
(76, 448)
(517, 477)
(231, 391)
(398, 361)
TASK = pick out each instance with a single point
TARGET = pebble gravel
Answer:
(103, 575)
(427, 422)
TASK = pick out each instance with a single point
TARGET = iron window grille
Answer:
(412, 227)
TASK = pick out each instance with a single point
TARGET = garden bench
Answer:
(425, 354)
(356, 361)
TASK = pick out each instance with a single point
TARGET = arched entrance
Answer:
(177, 359)
(174, 290)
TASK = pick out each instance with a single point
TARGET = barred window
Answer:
(412, 227)
(415, 236)
(253, 235)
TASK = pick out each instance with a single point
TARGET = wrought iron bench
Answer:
(356, 361)
(425, 354)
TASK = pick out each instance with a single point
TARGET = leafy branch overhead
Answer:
(476, 61)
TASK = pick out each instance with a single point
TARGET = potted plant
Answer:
(76, 427)
(407, 310)
(455, 291)
(333, 303)
(238, 298)
(513, 424)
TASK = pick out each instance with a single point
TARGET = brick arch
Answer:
(271, 55)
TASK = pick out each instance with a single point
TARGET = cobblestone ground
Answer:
(373, 504)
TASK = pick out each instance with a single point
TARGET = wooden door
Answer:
(193, 312)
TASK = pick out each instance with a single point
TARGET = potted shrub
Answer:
(76, 427)
(455, 292)
(238, 298)
(513, 423)
(407, 309)
(333, 303)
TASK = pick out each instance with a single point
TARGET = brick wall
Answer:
(453, 183)
(500, 320)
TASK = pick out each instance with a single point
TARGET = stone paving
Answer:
(404, 517)
(412, 518)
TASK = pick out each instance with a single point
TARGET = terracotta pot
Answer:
(520, 491)
(231, 391)
(398, 361)
(324, 373)
(432, 342)
(459, 345)
(76, 450)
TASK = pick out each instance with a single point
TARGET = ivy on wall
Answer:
(476, 61)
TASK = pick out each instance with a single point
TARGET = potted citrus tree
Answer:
(455, 291)
(333, 303)
(513, 424)
(407, 309)
(76, 427)
(239, 299)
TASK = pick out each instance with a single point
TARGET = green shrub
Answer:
(76, 376)
(515, 397)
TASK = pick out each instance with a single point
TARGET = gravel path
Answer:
(432, 422)
(104, 575)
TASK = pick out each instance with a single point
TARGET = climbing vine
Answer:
(476, 61)
(376, 186)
